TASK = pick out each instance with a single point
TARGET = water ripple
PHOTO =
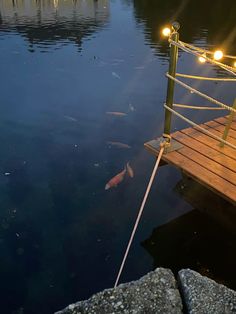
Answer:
(48, 23)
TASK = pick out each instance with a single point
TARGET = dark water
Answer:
(64, 64)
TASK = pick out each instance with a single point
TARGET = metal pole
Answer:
(228, 124)
(171, 84)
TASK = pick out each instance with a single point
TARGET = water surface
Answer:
(64, 64)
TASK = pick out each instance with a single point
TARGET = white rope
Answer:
(198, 107)
(204, 50)
(140, 212)
(223, 79)
(221, 65)
(200, 93)
(199, 127)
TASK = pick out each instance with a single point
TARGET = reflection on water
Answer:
(204, 238)
(62, 235)
(47, 22)
(199, 244)
(202, 21)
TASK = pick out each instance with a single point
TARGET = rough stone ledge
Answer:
(202, 295)
(157, 292)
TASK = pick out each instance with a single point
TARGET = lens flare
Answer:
(218, 54)
(166, 31)
(202, 59)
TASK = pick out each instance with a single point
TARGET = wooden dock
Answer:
(202, 159)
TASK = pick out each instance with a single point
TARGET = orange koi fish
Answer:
(130, 170)
(115, 180)
(118, 144)
(116, 113)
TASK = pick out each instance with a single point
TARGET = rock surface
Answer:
(204, 296)
(156, 292)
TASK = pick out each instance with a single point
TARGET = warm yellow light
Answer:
(218, 54)
(202, 59)
(234, 64)
(166, 31)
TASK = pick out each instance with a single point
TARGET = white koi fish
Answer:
(70, 118)
(130, 170)
(115, 75)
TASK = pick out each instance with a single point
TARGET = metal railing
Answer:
(176, 44)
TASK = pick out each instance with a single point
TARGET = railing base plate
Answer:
(155, 144)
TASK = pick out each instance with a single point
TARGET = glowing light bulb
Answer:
(166, 31)
(234, 65)
(218, 54)
(202, 59)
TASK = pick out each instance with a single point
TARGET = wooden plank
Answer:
(203, 138)
(205, 150)
(223, 120)
(204, 160)
(202, 175)
(220, 128)
(226, 118)
(217, 133)
(209, 164)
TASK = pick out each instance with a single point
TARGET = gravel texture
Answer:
(156, 292)
(204, 296)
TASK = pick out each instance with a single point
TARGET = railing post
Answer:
(171, 84)
(228, 124)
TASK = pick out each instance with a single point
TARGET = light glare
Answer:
(166, 31)
(202, 59)
(218, 54)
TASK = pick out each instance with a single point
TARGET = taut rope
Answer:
(162, 147)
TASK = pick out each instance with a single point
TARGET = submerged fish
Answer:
(116, 113)
(115, 75)
(129, 170)
(118, 144)
(70, 118)
(115, 180)
(131, 107)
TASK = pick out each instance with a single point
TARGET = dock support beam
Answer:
(171, 84)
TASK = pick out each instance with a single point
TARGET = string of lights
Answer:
(203, 54)
(206, 51)
(202, 59)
